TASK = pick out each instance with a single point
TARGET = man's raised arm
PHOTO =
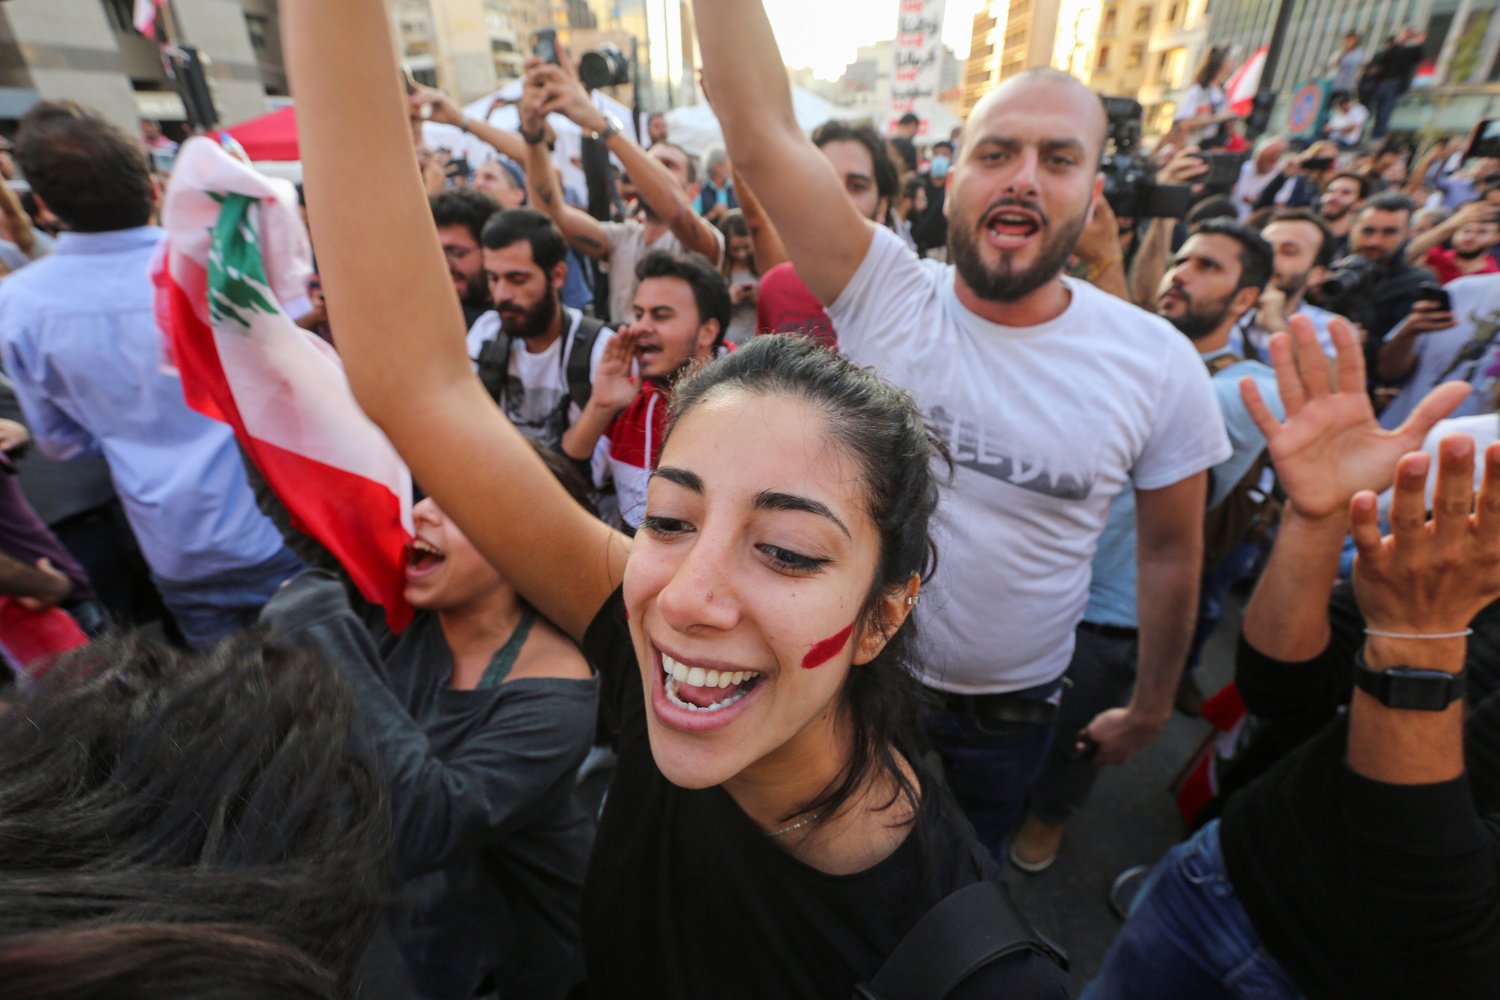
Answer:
(825, 236)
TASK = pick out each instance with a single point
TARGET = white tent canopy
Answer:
(695, 128)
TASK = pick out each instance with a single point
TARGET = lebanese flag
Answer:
(235, 249)
(145, 17)
(1241, 87)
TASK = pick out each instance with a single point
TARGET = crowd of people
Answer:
(797, 531)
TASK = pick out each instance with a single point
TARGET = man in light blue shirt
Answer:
(1217, 278)
(81, 343)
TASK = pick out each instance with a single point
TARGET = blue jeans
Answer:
(990, 767)
(209, 609)
(1386, 96)
(1188, 937)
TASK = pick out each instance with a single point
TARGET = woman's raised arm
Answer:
(400, 328)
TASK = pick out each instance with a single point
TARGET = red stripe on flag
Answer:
(354, 517)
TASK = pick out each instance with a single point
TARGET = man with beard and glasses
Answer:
(1216, 280)
(682, 309)
(870, 178)
(1051, 396)
(1469, 234)
(1342, 198)
(1304, 248)
(536, 356)
(460, 216)
(661, 177)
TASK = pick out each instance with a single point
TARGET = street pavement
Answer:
(1130, 819)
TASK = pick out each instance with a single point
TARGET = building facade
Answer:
(1462, 50)
(89, 51)
(1008, 37)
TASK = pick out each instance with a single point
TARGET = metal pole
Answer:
(1273, 48)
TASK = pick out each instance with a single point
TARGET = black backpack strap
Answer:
(962, 934)
(580, 386)
(494, 366)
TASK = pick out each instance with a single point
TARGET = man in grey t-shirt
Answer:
(1346, 64)
(661, 177)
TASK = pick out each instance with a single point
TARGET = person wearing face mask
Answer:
(931, 231)
(772, 828)
(480, 711)
(682, 308)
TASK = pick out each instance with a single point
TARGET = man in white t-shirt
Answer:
(536, 356)
(1051, 395)
(1347, 123)
(661, 178)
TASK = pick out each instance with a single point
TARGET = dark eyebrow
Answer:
(682, 477)
(769, 500)
(852, 176)
(1061, 146)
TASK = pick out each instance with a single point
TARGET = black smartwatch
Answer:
(1409, 687)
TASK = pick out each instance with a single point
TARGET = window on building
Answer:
(1136, 56)
(426, 77)
(1143, 19)
(121, 14)
(256, 27)
(1103, 62)
(1108, 27)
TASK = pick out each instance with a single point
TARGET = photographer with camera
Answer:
(1375, 285)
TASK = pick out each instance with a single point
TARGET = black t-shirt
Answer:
(686, 897)
(1362, 889)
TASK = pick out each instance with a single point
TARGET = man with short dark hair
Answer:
(82, 346)
(460, 215)
(656, 129)
(987, 345)
(1303, 249)
(1392, 285)
(536, 356)
(682, 309)
(870, 179)
(1341, 200)
(1216, 280)
(1470, 234)
(902, 135)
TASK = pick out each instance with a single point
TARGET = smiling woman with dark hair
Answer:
(772, 828)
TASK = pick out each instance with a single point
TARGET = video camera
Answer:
(1348, 289)
(1129, 180)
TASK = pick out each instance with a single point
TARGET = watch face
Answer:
(1422, 690)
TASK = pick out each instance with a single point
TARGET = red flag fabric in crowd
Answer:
(235, 251)
(145, 17)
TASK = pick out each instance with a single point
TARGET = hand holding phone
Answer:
(544, 45)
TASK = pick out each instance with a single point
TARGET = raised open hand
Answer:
(613, 386)
(1431, 577)
(1331, 446)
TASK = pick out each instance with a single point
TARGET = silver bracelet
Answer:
(1416, 635)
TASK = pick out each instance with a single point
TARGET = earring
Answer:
(911, 601)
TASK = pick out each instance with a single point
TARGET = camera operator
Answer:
(1156, 241)
(1303, 249)
(1301, 179)
(1375, 285)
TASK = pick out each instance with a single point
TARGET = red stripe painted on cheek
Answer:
(826, 650)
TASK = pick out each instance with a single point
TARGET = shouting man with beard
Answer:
(1052, 397)
(682, 309)
(460, 216)
(536, 356)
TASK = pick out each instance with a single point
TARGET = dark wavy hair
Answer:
(887, 174)
(709, 287)
(156, 961)
(143, 785)
(90, 173)
(880, 426)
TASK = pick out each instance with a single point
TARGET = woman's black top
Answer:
(686, 897)
(489, 839)
(1362, 889)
